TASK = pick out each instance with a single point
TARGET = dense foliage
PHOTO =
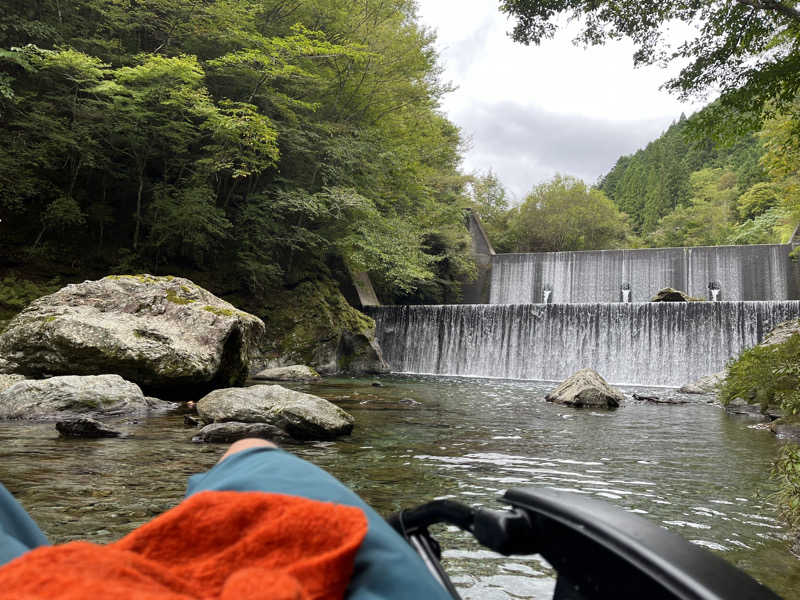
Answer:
(566, 214)
(746, 49)
(257, 143)
(766, 375)
(786, 472)
(684, 191)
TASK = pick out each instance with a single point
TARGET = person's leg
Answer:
(18, 532)
(386, 567)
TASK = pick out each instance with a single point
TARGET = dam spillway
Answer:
(643, 343)
(758, 272)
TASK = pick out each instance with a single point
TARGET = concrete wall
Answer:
(760, 272)
(478, 291)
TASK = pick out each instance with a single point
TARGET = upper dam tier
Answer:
(732, 273)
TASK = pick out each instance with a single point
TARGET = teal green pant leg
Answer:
(18, 532)
(386, 567)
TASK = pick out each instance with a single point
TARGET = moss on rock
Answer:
(313, 324)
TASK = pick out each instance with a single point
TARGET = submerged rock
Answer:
(226, 433)
(163, 333)
(644, 398)
(787, 427)
(586, 388)
(740, 406)
(47, 399)
(290, 373)
(302, 416)
(667, 400)
(705, 385)
(85, 427)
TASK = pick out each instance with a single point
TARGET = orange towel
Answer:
(226, 545)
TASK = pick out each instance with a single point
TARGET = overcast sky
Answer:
(532, 112)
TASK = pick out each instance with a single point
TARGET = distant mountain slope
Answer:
(653, 182)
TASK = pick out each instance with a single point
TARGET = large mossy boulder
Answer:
(313, 324)
(59, 397)
(302, 416)
(586, 388)
(164, 333)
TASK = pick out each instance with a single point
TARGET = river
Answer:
(690, 468)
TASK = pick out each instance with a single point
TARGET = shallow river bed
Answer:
(689, 467)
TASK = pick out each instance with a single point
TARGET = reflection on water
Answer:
(690, 468)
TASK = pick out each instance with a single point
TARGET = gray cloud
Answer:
(526, 145)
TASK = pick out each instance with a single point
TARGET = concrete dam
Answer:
(546, 315)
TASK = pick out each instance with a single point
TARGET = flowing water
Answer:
(690, 468)
(652, 343)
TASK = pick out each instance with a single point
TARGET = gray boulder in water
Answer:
(586, 388)
(84, 427)
(302, 416)
(225, 433)
(163, 333)
(290, 373)
(53, 398)
(704, 385)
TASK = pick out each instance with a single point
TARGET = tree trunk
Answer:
(138, 210)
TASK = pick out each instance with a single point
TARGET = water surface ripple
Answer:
(690, 468)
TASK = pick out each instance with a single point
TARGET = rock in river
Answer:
(705, 385)
(163, 333)
(84, 427)
(52, 398)
(302, 416)
(225, 433)
(290, 373)
(586, 388)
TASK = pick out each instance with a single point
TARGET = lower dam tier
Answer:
(642, 343)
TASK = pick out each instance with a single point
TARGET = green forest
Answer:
(251, 145)
(686, 188)
(254, 145)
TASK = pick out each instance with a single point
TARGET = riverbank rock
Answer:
(705, 385)
(302, 416)
(787, 427)
(226, 433)
(781, 332)
(671, 295)
(314, 325)
(84, 427)
(290, 373)
(740, 406)
(6, 381)
(586, 388)
(164, 333)
(47, 399)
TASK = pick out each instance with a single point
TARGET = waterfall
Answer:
(760, 272)
(644, 343)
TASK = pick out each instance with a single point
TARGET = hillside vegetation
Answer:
(250, 145)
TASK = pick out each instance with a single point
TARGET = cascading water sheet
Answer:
(667, 343)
